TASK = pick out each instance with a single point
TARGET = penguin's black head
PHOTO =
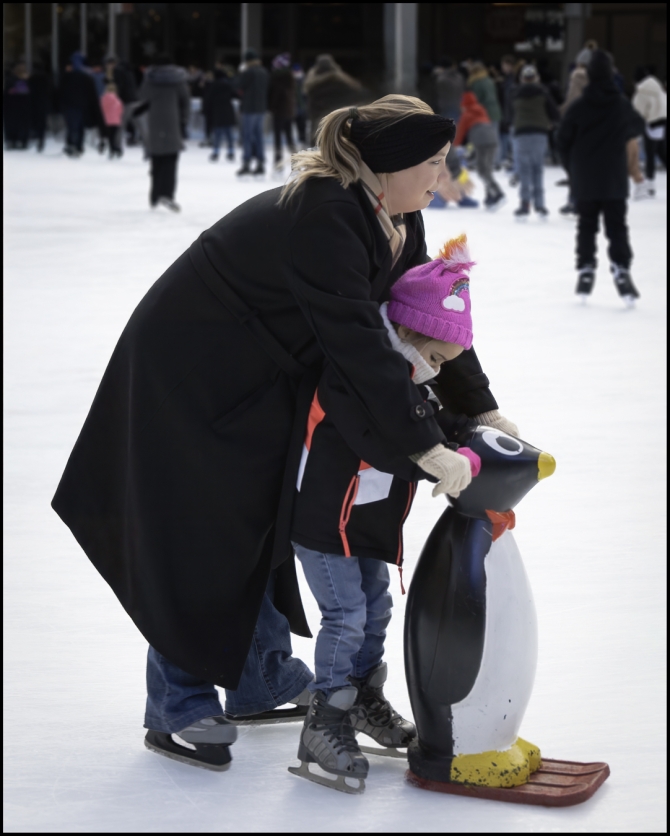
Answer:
(510, 468)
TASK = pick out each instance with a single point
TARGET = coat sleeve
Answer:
(565, 136)
(330, 280)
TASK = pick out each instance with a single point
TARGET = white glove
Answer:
(498, 422)
(452, 469)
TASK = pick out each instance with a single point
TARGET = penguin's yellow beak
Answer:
(546, 465)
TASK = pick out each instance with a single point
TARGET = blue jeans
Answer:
(530, 151)
(218, 134)
(74, 127)
(271, 677)
(352, 594)
(252, 137)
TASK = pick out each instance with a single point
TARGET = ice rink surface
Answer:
(586, 384)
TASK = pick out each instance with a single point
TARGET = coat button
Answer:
(420, 411)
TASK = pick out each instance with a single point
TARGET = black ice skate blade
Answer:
(276, 715)
(386, 752)
(215, 757)
(338, 782)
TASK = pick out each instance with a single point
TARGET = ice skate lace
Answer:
(336, 726)
(379, 711)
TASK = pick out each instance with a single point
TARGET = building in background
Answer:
(382, 44)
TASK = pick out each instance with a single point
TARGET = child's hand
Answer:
(498, 422)
(453, 470)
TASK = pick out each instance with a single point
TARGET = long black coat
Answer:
(592, 141)
(217, 103)
(180, 485)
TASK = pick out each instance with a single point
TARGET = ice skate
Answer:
(522, 213)
(495, 201)
(205, 744)
(373, 715)
(259, 171)
(275, 715)
(244, 170)
(328, 741)
(624, 285)
(585, 279)
(169, 203)
(542, 212)
(641, 190)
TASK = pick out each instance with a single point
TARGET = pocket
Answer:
(220, 423)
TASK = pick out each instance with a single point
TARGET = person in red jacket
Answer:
(476, 125)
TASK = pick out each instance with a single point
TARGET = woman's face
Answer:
(411, 189)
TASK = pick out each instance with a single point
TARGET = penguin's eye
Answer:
(502, 443)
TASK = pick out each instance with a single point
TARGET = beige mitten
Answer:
(498, 422)
(452, 469)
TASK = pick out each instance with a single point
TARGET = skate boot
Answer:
(328, 740)
(624, 284)
(169, 203)
(275, 715)
(522, 213)
(205, 743)
(259, 171)
(374, 715)
(542, 212)
(585, 279)
(244, 170)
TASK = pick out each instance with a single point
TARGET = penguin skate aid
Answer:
(353, 495)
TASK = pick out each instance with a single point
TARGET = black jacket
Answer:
(217, 103)
(534, 109)
(253, 87)
(353, 490)
(592, 141)
(181, 484)
(77, 92)
(281, 94)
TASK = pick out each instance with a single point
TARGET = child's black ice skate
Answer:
(624, 284)
(205, 744)
(275, 715)
(373, 715)
(522, 213)
(328, 741)
(585, 279)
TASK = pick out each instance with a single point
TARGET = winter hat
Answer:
(583, 58)
(251, 55)
(434, 298)
(529, 73)
(600, 68)
(280, 62)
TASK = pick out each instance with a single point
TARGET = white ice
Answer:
(585, 383)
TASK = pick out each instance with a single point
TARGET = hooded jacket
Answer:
(473, 113)
(651, 100)
(165, 90)
(534, 109)
(482, 85)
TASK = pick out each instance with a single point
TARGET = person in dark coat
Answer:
(281, 103)
(40, 101)
(253, 90)
(592, 140)
(79, 104)
(534, 116)
(17, 108)
(217, 104)
(327, 88)
(165, 93)
(181, 483)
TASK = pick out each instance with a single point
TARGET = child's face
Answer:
(434, 352)
(411, 189)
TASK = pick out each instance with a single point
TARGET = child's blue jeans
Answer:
(272, 676)
(218, 134)
(355, 602)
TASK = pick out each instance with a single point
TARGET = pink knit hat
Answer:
(434, 298)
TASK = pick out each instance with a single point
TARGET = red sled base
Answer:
(554, 784)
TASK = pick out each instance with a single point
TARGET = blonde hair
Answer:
(336, 155)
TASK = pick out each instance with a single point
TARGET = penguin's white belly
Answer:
(489, 717)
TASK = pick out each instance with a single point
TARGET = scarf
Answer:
(422, 370)
(393, 226)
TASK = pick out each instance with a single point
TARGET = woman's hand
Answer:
(453, 470)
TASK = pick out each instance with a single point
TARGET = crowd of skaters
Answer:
(513, 119)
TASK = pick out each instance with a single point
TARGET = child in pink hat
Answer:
(353, 494)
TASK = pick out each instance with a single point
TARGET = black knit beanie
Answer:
(600, 68)
(409, 141)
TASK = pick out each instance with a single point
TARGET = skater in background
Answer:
(252, 84)
(534, 116)
(300, 104)
(449, 88)
(328, 88)
(281, 103)
(80, 104)
(40, 102)
(165, 94)
(112, 112)
(482, 85)
(651, 102)
(592, 140)
(476, 126)
(16, 101)
(354, 495)
(506, 89)
(217, 105)
(181, 484)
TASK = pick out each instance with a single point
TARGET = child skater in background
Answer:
(112, 112)
(354, 493)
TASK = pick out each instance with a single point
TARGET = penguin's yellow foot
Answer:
(510, 768)
(532, 752)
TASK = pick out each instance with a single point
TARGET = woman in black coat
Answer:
(180, 485)
(217, 104)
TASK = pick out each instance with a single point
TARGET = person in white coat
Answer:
(650, 101)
